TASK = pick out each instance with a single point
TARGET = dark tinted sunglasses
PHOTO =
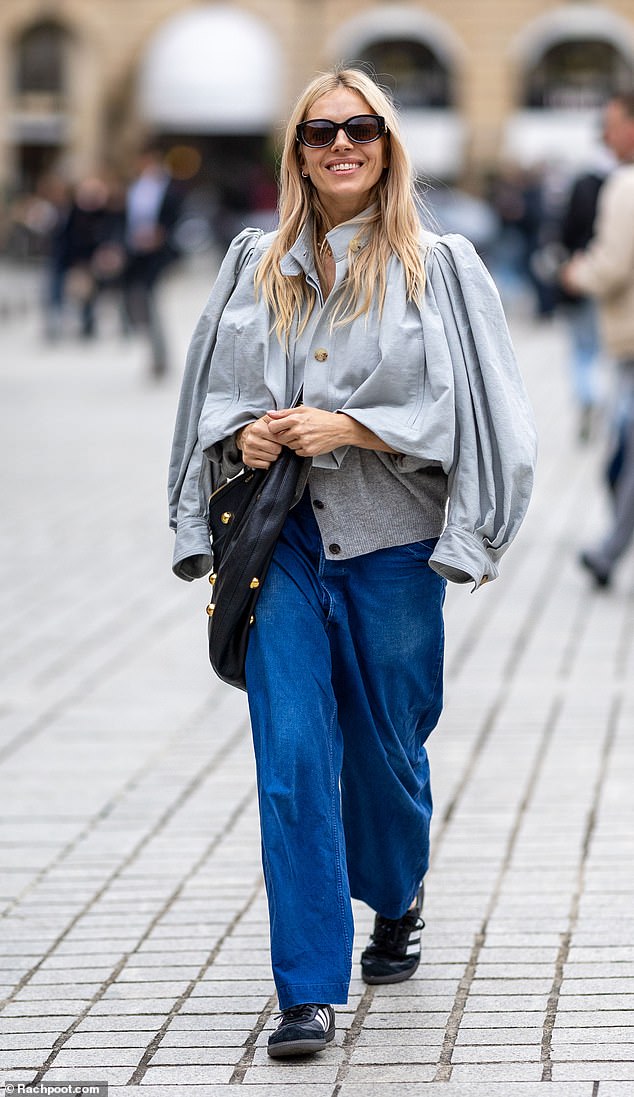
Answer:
(318, 133)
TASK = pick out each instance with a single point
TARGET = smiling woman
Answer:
(419, 447)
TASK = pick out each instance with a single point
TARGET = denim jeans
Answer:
(344, 680)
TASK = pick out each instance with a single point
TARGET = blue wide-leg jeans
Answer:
(344, 680)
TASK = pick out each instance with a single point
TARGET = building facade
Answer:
(83, 81)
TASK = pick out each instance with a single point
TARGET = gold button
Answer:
(321, 354)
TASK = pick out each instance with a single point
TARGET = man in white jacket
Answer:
(605, 270)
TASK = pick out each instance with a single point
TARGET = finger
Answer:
(279, 426)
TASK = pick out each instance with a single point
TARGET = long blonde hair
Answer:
(393, 227)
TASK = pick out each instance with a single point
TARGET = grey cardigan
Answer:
(438, 381)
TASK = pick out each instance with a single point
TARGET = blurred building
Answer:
(83, 81)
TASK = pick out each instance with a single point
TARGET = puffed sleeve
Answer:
(491, 475)
(189, 480)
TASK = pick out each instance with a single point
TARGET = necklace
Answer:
(324, 248)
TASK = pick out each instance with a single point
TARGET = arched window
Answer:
(41, 58)
(415, 74)
(576, 74)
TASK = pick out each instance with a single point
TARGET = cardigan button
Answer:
(321, 354)
(317, 503)
(334, 549)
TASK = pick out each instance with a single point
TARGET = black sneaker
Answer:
(393, 952)
(302, 1030)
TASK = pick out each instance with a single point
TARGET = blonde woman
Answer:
(421, 448)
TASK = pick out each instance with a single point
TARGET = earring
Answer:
(304, 175)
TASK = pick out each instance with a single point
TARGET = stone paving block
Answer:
(616, 1071)
(283, 1089)
(81, 1039)
(376, 1075)
(196, 1056)
(601, 1018)
(113, 1075)
(487, 1037)
(225, 1038)
(589, 1036)
(569, 1003)
(429, 1003)
(615, 1089)
(396, 1052)
(47, 977)
(188, 1075)
(298, 1074)
(467, 1089)
(21, 1060)
(218, 1003)
(598, 1051)
(194, 1022)
(119, 1022)
(43, 1008)
(91, 1060)
(386, 1022)
(497, 1072)
(375, 1038)
(527, 986)
(498, 1053)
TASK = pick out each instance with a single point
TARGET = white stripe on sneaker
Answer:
(324, 1019)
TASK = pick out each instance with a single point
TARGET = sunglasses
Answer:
(318, 133)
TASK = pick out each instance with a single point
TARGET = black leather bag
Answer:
(246, 516)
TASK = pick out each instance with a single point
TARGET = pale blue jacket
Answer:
(437, 381)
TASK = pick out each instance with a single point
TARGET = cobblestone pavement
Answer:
(134, 936)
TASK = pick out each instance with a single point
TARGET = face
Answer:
(344, 173)
(618, 131)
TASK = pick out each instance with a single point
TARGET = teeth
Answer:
(343, 167)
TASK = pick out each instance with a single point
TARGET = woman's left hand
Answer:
(311, 431)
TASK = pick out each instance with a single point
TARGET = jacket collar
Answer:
(350, 235)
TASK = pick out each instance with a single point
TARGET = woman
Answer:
(411, 401)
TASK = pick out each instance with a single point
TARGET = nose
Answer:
(341, 140)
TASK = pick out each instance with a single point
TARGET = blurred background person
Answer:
(579, 310)
(606, 271)
(87, 227)
(153, 205)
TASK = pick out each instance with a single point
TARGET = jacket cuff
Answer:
(192, 552)
(461, 557)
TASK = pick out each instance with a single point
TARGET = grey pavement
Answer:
(133, 946)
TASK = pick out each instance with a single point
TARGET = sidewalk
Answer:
(134, 940)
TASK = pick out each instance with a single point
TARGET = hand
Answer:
(310, 431)
(567, 276)
(259, 448)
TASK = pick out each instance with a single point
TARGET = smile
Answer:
(347, 166)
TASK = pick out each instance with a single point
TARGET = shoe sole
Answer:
(383, 980)
(299, 1047)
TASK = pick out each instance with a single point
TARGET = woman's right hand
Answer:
(258, 446)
